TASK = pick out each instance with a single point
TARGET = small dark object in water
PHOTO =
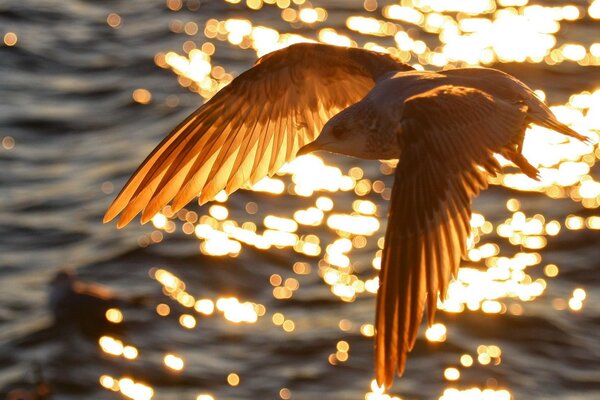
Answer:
(81, 306)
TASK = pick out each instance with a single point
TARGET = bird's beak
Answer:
(309, 148)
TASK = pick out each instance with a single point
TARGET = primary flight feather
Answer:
(444, 127)
(250, 128)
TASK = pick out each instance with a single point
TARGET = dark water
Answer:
(65, 92)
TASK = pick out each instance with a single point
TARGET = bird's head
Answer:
(63, 279)
(342, 134)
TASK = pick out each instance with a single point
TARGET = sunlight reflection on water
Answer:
(492, 280)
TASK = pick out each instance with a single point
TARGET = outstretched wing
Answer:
(447, 139)
(251, 127)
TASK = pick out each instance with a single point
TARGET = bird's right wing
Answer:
(447, 139)
(251, 127)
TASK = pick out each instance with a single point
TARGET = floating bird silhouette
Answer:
(444, 127)
(80, 305)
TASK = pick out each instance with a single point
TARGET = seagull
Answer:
(444, 128)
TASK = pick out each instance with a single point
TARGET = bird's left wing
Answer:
(447, 139)
(251, 127)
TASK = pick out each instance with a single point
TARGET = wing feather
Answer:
(446, 134)
(251, 127)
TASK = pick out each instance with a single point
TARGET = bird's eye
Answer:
(337, 131)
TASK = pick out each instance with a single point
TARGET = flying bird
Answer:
(444, 127)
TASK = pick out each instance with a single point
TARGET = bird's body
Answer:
(444, 127)
(383, 106)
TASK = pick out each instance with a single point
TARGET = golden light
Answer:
(111, 345)
(10, 39)
(574, 52)
(407, 14)
(484, 359)
(187, 321)
(341, 356)
(285, 394)
(114, 315)
(205, 306)
(163, 310)
(345, 325)
(342, 346)
(288, 325)
(575, 304)
(275, 280)
(173, 362)
(174, 5)
(576, 301)
(127, 387)
(475, 394)
(367, 330)
(551, 270)
(593, 222)
(278, 319)
(133, 390)
(116, 347)
(436, 333)
(466, 360)
(378, 393)
(308, 15)
(579, 294)
(356, 224)
(594, 9)
(8, 142)
(113, 20)
(269, 185)
(141, 96)
(282, 224)
(130, 352)
(365, 207)
(451, 374)
(491, 307)
(107, 382)
(235, 311)
(159, 221)
(233, 379)
(553, 228)
(494, 351)
(574, 222)
(218, 212)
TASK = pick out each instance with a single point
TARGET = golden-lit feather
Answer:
(252, 127)
(445, 135)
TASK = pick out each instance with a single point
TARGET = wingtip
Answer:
(121, 224)
(107, 218)
(203, 199)
(150, 211)
(146, 218)
(590, 141)
(126, 218)
(384, 374)
(110, 213)
(383, 381)
(178, 203)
